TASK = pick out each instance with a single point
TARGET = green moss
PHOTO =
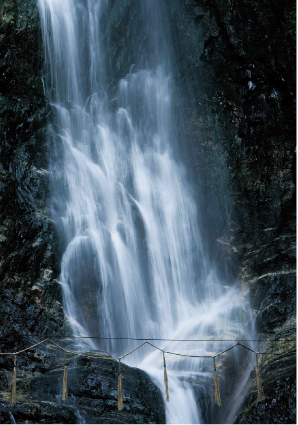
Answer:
(291, 21)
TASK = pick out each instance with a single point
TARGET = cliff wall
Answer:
(240, 58)
(30, 295)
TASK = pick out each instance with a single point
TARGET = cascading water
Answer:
(133, 262)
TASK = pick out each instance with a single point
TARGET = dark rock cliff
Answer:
(29, 293)
(91, 396)
(239, 61)
(236, 62)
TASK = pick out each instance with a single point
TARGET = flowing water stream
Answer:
(133, 260)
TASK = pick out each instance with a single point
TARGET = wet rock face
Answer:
(91, 396)
(30, 295)
(30, 299)
(243, 52)
(240, 60)
(278, 374)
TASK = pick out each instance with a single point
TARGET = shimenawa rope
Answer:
(120, 395)
(166, 377)
(64, 390)
(120, 390)
(259, 382)
(216, 386)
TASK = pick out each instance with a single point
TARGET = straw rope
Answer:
(166, 377)
(259, 382)
(130, 352)
(120, 392)
(64, 390)
(216, 386)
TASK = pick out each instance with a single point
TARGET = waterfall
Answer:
(133, 259)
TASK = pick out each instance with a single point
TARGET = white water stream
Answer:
(133, 262)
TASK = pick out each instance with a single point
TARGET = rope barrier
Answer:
(216, 386)
(130, 352)
(166, 377)
(120, 395)
(259, 383)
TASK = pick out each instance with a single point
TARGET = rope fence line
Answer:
(120, 393)
(124, 355)
(130, 352)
